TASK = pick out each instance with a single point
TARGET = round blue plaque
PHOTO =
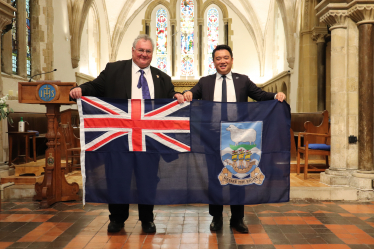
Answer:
(47, 92)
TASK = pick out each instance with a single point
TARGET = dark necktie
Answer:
(224, 89)
(144, 85)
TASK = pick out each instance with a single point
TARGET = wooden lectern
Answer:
(54, 187)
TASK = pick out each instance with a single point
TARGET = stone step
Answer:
(6, 172)
(315, 193)
(23, 191)
(324, 193)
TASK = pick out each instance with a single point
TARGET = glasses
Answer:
(141, 51)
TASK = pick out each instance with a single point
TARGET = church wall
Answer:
(124, 51)
(244, 51)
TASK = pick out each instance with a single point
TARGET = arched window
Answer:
(161, 40)
(14, 40)
(28, 37)
(212, 36)
(187, 37)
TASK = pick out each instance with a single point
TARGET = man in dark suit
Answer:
(131, 79)
(225, 86)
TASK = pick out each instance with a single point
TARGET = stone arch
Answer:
(96, 18)
(221, 5)
(154, 4)
(253, 28)
(77, 11)
(122, 26)
(289, 12)
(284, 89)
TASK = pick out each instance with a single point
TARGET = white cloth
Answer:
(231, 95)
(136, 93)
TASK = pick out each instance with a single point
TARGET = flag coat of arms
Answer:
(162, 152)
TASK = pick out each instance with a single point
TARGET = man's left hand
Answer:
(281, 96)
(179, 97)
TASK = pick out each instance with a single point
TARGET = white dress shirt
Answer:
(136, 93)
(231, 95)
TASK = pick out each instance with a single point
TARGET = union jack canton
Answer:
(142, 118)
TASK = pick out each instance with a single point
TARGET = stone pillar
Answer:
(365, 116)
(35, 39)
(226, 31)
(6, 15)
(319, 34)
(6, 53)
(362, 14)
(173, 24)
(200, 56)
(21, 38)
(338, 174)
(147, 26)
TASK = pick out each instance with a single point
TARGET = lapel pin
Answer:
(158, 76)
(237, 77)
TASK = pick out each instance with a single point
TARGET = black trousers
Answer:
(120, 212)
(237, 211)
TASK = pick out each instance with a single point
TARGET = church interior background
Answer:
(318, 52)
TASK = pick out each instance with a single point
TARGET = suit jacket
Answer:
(244, 88)
(115, 82)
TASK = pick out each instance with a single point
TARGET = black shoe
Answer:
(115, 227)
(149, 227)
(239, 226)
(216, 224)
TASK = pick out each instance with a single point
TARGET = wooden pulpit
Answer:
(54, 187)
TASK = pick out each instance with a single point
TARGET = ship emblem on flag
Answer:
(241, 153)
(113, 122)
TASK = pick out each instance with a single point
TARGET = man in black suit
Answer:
(131, 79)
(225, 86)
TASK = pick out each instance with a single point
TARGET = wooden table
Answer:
(19, 135)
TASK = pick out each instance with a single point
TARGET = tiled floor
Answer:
(297, 224)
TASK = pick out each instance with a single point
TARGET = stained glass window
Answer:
(14, 39)
(187, 37)
(212, 35)
(28, 37)
(161, 39)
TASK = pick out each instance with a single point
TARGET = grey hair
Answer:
(143, 37)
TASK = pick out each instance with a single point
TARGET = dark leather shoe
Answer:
(216, 224)
(115, 227)
(149, 227)
(239, 226)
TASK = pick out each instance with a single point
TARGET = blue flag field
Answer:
(161, 152)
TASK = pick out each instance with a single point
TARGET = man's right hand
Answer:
(188, 96)
(76, 93)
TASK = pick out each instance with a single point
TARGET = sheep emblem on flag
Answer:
(241, 153)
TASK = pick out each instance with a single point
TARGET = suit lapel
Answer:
(236, 85)
(156, 83)
(127, 76)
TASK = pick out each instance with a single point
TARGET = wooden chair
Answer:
(72, 148)
(316, 142)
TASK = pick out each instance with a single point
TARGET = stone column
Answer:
(363, 15)
(173, 24)
(35, 39)
(226, 31)
(21, 38)
(6, 15)
(319, 34)
(147, 26)
(200, 56)
(6, 53)
(337, 20)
